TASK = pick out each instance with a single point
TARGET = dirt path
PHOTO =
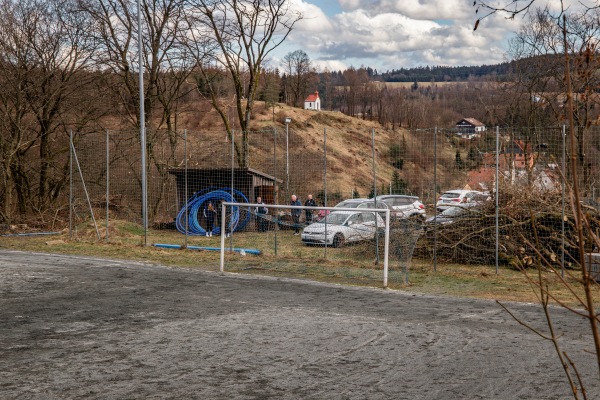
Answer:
(76, 327)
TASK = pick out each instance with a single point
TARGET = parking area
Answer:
(77, 327)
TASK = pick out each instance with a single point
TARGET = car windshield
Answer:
(450, 195)
(348, 204)
(334, 218)
(371, 204)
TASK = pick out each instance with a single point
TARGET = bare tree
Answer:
(354, 82)
(166, 61)
(326, 89)
(237, 36)
(167, 65)
(45, 62)
(297, 69)
(582, 224)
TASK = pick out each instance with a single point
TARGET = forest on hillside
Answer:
(73, 66)
(441, 73)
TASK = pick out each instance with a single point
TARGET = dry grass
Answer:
(307, 133)
(284, 255)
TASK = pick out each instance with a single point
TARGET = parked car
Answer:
(363, 203)
(341, 227)
(459, 196)
(404, 206)
(450, 214)
(352, 203)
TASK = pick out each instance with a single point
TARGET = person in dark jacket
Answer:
(309, 213)
(261, 213)
(296, 212)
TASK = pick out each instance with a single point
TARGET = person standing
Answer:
(309, 213)
(322, 213)
(209, 214)
(261, 213)
(296, 212)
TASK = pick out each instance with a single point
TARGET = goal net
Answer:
(299, 232)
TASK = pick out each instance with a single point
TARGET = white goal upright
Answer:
(368, 222)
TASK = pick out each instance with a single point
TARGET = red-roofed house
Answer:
(312, 102)
(518, 164)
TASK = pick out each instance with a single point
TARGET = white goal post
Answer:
(224, 206)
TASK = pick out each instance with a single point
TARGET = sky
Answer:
(393, 34)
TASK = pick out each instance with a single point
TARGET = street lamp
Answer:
(287, 156)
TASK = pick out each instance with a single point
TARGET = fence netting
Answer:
(498, 196)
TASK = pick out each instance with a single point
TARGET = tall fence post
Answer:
(71, 184)
(232, 180)
(435, 225)
(142, 126)
(107, 182)
(564, 176)
(185, 161)
(375, 192)
(497, 195)
(275, 188)
(325, 185)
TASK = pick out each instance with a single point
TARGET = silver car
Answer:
(342, 227)
(364, 203)
(404, 206)
(458, 197)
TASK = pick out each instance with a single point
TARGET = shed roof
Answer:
(249, 171)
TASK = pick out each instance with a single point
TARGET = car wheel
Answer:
(338, 240)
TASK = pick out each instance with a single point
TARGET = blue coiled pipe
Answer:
(196, 204)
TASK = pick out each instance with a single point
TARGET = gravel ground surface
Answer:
(77, 327)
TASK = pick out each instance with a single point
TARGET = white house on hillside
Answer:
(469, 128)
(312, 102)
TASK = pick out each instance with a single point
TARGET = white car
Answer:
(342, 227)
(458, 197)
(404, 206)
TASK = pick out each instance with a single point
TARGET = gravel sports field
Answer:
(82, 327)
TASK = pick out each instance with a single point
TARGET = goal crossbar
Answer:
(224, 206)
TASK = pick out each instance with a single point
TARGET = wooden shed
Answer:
(250, 182)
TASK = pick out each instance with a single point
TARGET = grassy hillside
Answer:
(349, 151)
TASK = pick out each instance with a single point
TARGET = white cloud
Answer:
(416, 9)
(330, 65)
(391, 34)
(313, 18)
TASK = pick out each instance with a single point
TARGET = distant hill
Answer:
(447, 74)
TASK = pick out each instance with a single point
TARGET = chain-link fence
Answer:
(478, 197)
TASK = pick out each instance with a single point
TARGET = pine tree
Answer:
(399, 186)
(460, 164)
(472, 157)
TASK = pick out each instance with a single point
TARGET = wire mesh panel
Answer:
(88, 178)
(200, 176)
(297, 247)
(479, 198)
(125, 169)
(404, 234)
